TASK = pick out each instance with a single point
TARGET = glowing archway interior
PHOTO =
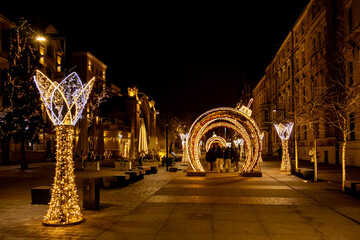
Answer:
(215, 139)
(237, 119)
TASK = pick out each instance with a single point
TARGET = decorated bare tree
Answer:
(310, 113)
(23, 120)
(344, 99)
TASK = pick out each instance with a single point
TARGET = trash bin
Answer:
(91, 193)
(292, 165)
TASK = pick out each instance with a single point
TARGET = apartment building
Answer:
(303, 65)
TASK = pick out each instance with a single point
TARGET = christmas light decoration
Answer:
(183, 144)
(215, 139)
(64, 103)
(284, 132)
(237, 119)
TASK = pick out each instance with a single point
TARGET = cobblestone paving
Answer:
(173, 206)
(226, 206)
(19, 219)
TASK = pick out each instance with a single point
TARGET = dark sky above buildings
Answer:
(190, 57)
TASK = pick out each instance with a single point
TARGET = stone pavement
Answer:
(173, 206)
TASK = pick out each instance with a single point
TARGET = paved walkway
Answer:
(173, 206)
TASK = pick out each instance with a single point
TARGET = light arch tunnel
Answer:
(215, 140)
(237, 119)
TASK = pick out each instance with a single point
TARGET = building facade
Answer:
(303, 65)
(125, 114)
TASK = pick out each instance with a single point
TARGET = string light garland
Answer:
(237, 119)
(215, 139)
(64, 103)
(284, 132)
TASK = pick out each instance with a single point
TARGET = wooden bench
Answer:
(146, 168)
(41, 195)
(352, 188)
(305, 173)
(141, 173)
(154, 169)
(135, 175)
(108, 182)
(122, 179)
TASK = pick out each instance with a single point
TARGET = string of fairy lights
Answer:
(215, 139)
(64, 103)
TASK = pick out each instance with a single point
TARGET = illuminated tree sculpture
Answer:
(183, 144)
(284, 132)
(64, 103)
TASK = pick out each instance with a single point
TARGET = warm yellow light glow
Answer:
(215, 139)
(132, 92)
(64, 203)
(40, 39)
(64, 104)
(239, 121)
(284, 132)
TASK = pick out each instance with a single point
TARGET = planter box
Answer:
(92, 166)
(41, 195)
(151, 163)
(123, 166)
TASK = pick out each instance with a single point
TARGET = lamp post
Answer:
(166, 136)
(280, 109)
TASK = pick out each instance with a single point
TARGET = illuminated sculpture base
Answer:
(64, 203)
(251, 174)
(191, 173)
(285, 160)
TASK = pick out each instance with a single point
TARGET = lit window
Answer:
(58, 63)
(42, 53)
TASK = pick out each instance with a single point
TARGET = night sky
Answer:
(188, 57)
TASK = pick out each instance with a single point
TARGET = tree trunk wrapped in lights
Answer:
(284, 132)
(64, 207)
(64, 104)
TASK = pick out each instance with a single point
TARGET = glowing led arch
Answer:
(238, 120)
(215, 139)
(64, 103)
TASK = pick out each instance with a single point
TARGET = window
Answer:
(5, 40)
(302, 28)
(266, 116)
(313, 11)
(350, 15)
(42, 53)
(58, 63)
(314, 45)
(49, 50)
(352, 126)
(351, 73)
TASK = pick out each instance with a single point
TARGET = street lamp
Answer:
(166, 137)
(280, 109)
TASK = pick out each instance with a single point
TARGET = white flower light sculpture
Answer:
(183, 144)
(284, 132)
(64, 104)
